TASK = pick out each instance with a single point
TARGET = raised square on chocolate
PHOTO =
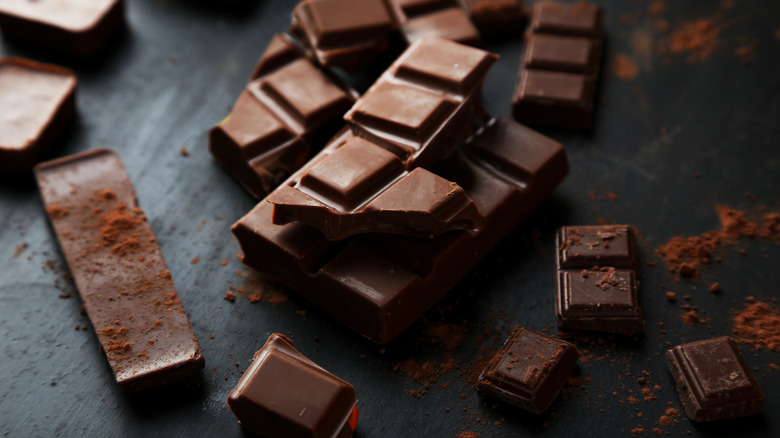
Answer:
(36, 103)
(451, 24)
(713, 380)
(587, 246)
(336, 22)
(417, 7)
(581, 18)
(530, 370)
(283, 394)
(494, 16)
(554, 99)
(562, 53)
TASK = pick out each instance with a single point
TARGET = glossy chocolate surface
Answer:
(713, 380)
(119, 270)
(530, 370)
(452, 24)
(284, 394)
(497, 16)
(36, 103)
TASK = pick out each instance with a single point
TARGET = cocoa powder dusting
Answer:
(624, 68)
(57, 212)
(698, 39)
(758, 324)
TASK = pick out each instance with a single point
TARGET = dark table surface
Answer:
(682, 137)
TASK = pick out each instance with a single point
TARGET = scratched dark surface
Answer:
(671, 144)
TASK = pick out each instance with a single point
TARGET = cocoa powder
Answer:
(758, 324)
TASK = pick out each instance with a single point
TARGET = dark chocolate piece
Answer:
(78, 27)
(423, 106)
(597, 286)
(360, 187)
(557, 80)
(713, 380)
(36, 103)
(269, 133)
(497, 16)
(283, 394)
(530, 370)
(379, 284)
(119, 270)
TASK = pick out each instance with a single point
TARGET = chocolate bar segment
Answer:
(119, 270)
(530, 370)
(451, 24)
(714, 381)
(78, 27)
(283, 394)
(597, 287)
(269, 133)
(379, 284)
(581, 18)
(497, 16)
(36, 103)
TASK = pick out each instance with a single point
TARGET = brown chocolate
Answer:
(78, 27)
(119, 270)
(451, 23)
(36, 103)
(497, 16)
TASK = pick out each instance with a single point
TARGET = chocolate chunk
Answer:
(36, 103)
(379, 284)
(78, 27)
(557, 80)
(288, 102)
(530, 370)
(119, 270)
(360, 187)
(497, 16)
(451, 24)
(597, 286)
(284, 394)
(713, 380)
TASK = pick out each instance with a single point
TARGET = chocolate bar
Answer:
(423, 106)
(36, 103)
(436, 18)
(269, 132)
(497, 16)
(557, 81)
(284, 394)
(119, 270)
(361, 187)
(378, 284)
(713, 380)
(597, 286)
(78, 27)
(530, 370)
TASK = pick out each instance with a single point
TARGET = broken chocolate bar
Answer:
(119, 270)
(36, 103)
(435, 18)
(79, 27)
(283, 394)
(557, 80)
(597, 286)
(530, 370)
(497, 16)
(713, 380)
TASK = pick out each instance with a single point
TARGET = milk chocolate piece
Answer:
(557, 80)
(497, 16)
(283, 394)
(78, 27)
(379, 284)
(287, 103)
(713, 380)
(423, 106)
(451, 24)
(36, 103)
(119, 270)
(597, 286)
(530, 370)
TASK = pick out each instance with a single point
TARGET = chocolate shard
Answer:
(597, 287)
(714, 381)
(76, 27)
(269, 133)
(497, 16)
(283, 394)
(119, 270)
(379, 284)
(530, 370)
(360, 188)
(36, 103)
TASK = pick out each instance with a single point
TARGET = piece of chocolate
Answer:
(560, 67)
(283, 394)
(497, 16)
(597, 286)
(360, 187)
(36, 103)
(451, 24)
(287, 103)
(379, 284)
(78, 27)
(119, 270)
(424, 105)
(713, 380)
(530, 370)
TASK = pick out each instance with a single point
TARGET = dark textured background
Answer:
(671, 144)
